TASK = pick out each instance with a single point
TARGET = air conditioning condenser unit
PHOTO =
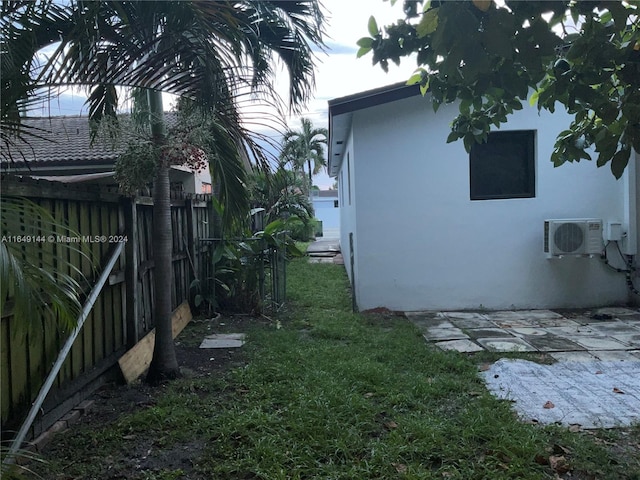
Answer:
(573, 237)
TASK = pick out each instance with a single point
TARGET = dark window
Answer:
(335, 204)
(504, 166)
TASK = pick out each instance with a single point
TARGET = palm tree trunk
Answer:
(310, 177)
(164, 365)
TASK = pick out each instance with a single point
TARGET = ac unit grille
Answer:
(572, 237)
(568, 237)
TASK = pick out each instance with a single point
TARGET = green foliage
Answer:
(282, 195)
(242, 268)
(35, 272)
(582, 55)
(305, 147)
(17, 468)
(135, 168)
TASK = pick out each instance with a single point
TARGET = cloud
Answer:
(335, 48)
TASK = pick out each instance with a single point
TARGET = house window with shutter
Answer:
(504, 166)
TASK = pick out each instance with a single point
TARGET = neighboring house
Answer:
(326, 206)
(61, 149)
(425, 225)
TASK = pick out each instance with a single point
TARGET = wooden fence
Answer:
(123, 312)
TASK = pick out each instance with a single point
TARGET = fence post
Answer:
(132, 297)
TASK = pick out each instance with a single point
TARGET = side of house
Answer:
(449, 236)
(326, 206)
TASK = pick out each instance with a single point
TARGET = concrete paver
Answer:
(594, 343)
(325, 250)
(223, 340)
(445, 334)
(595, 382)
(466, 346)
(488, 333)
(539, 330)
(582, 356)
(504, 344)
(615, 356)
(551, 343)
(590, 394)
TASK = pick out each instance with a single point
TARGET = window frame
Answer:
(526, 138)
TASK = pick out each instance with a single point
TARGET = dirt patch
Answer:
(115, 400)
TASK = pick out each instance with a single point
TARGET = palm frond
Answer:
(36, 282)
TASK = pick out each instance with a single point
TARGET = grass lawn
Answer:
(327, 394)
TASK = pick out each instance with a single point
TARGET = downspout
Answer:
(44, 390)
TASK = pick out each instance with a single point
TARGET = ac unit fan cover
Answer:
(568, 237)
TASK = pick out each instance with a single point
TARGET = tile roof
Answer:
(65, 141)
(62, 141)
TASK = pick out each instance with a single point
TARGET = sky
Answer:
(338, 73)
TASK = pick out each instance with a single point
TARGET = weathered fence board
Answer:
(122, 314)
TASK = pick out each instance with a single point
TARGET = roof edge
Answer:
(371, 98)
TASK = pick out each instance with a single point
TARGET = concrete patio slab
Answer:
(595, 343)
(557, 322)
(463, 315)
(538, 314)
(571, 331)
(423, 323)
(488, 333)
(527, 331)
(462, 346)
(582, 356)
(505, 345)
(615, 356)
(552, 343)
(565, 339)
(633, 340)
(472, 323)
(592, 394)
(614, 327)
(327, 260)
(616, 311)
(223, 340)
(588, 320)
(510, 320)
(324, 245)
(444, 334)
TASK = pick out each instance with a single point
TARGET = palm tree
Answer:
(281, 194)
(305, 146)
(214, 52)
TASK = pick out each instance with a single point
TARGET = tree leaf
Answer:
(415, 78)
(365, 42)
(373, 26)
(362, 51)
(619, 162)
(428, 23)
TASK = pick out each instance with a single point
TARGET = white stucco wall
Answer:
(326, 211)
(421, 243)
(347, 198)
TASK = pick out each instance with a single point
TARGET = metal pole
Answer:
(44, 390)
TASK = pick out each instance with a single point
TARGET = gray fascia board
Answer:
(359, 101)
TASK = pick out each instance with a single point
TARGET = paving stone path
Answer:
(595, 382)
(604, 334)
